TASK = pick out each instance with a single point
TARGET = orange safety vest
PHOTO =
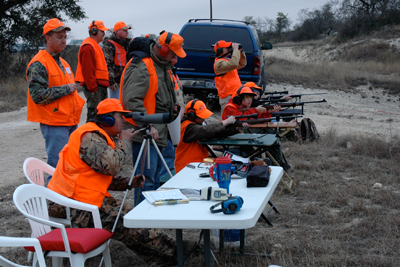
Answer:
(101, 65)
(65, 111)
(188, 152)
(149, 101)
(228, 83)
(75, 179)
(119, 55)
(176, 80)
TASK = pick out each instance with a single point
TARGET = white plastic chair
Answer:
(31, 201)
(6, 241)
(34, 170)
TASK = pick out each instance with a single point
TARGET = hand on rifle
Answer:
(229, 120)
(287, 97)
(275, 109)
(260, 109)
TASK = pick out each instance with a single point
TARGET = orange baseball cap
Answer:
(110, 105)
(174, 42)
(252, 85)
(54, 25)
(99, 25)
(200, 109)
(245, 90)
(121, 25)
(147, 35)
(221, 44)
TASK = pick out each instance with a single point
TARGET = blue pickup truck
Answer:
(196, 70)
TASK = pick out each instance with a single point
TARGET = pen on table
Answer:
(170, 201)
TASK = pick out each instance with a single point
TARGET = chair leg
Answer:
(107, 257)
(30, 256)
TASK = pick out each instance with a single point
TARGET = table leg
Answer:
(179, 244)
(207, 248)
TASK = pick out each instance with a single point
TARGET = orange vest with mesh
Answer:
(65, 111)
(101, 65)
(75, 179)
(227, 84)
(119, 55)
(149, 101)
(188, 152)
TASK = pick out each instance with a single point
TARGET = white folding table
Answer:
(197, 215)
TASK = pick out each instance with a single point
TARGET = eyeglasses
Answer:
(248, 97)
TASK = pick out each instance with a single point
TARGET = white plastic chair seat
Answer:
(6, 241)
(31, 201)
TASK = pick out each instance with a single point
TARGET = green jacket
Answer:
(135, 85)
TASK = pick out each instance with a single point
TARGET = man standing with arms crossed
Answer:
(52, 97)
(147, 86)
(92, 73)
(114, 49)
(227, 78)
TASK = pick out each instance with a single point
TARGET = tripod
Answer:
(144, 150)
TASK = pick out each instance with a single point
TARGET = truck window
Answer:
(202, 37)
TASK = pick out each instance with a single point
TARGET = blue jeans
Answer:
(169, 157)
(113, 94)
(56, 137)
(153, 174)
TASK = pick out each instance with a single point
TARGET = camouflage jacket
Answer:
(114, 71)
(102, 158)
(38, 83)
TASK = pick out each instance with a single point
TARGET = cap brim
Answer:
(127, 27)
(204, 114)
(104, 29)
(58, 29)
(180, 53)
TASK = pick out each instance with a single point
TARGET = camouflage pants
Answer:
(93, 99)
(152, 245)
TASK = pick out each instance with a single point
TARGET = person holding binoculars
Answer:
(229, 58)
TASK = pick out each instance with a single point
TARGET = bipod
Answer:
(144, 150)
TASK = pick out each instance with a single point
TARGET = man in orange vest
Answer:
(147, 86)
(52, 97)
(192, 131)
(92, 72)
(227, 78)
(93, 162)
(114, 49)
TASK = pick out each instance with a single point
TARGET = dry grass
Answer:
(13, 94)
(336, 76)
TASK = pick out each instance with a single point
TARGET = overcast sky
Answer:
(152, 16)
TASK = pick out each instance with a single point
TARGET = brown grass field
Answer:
(336, 217)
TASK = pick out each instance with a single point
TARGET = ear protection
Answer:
(191, 112)
(164, 50)
(229, 206)
(238, 98)
(105, 121)
(93, 30)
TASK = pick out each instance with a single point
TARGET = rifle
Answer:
(276, 92)
(254, 115)
(277, 118)
(298, 95)
(293, 104)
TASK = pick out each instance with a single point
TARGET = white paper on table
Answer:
(160, 195)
